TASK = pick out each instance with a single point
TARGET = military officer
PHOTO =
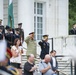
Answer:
(44, 46)
(31, 44)
(21, 31)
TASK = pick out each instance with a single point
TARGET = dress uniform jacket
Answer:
(17, 36)
(31, 46)
(44, 48)
(10, 39)
(21, 31)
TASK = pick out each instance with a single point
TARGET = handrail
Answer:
(61, 71)
(63, 36)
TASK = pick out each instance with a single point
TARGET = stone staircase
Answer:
(63, 65)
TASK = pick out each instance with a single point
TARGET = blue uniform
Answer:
(44, 48)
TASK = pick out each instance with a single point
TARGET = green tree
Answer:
(72, 13)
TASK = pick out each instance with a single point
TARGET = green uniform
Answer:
(21, 34)
(31, 46)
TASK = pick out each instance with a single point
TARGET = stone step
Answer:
(63, 65)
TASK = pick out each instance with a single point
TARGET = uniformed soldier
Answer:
(17, 33)
(9, 37)
(44, 46)
(1, 35)
(2, 27)
(31, 44)
(21, 32)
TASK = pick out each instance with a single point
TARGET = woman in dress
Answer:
(16, 55)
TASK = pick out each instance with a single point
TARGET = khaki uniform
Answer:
(31, 46)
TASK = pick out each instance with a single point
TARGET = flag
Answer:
(10, 14)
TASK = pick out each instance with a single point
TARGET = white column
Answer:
(63, 17)
(1, 9)
(26, 15)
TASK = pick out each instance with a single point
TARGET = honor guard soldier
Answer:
(21, 32)
(2, 27)
(44, 46)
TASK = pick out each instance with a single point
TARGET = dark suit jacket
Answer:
(54, 68)
(72, 31)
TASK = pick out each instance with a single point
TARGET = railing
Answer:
(61, 71)
(64, 45)
(69, 65)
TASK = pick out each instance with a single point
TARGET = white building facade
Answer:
(42, 16)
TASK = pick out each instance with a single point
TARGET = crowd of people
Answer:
(12, 63)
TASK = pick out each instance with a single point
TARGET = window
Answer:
(38, 20)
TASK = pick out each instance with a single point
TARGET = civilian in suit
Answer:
(54, 62)
(73, 30)
(44, 46)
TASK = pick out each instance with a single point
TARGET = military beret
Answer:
(19, 23)
(45, 35)
(31, 33)
(8, 53)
